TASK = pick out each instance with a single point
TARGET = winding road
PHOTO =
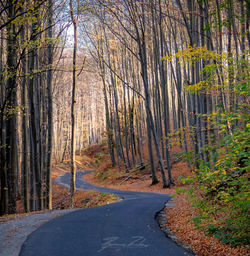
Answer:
(124, 228)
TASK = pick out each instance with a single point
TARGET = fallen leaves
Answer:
(83, 199)
(179, 220)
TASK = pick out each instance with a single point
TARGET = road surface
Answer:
(124, 228)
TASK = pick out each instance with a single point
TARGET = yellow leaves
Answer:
(194, 87)
(169, 58)
(10, 111)
(223, 172)
(97, 37)
(204, 85)
(195, 53)
(111, 9)
(113, 44)
(223, 129)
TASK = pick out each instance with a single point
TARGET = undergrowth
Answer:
(219, 186)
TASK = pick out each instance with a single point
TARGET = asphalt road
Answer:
(125, 228)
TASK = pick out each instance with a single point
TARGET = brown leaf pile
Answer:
(138, 181)
(82, 199)
(179, 220)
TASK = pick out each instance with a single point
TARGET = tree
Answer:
(74, 19)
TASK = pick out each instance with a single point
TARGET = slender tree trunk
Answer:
(143, 59)
(73, 104)
(11, 122)
(25, 141)
(165, 98)
(50, 109)
(3, 176)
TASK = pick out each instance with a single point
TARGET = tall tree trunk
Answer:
(34, 102)
(50, 108)
(165, 97)
(25, 127)
(11, 122)
(73, 104)
(143, 60)
(3, 175)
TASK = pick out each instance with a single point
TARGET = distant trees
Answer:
(130, 21)
(89, 113)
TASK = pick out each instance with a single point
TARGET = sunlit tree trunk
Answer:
(50, 108)
(73, 104)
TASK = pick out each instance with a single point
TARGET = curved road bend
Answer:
(125, 228)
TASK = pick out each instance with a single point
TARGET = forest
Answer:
(142, 77)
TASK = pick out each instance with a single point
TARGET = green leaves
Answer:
(221, 193)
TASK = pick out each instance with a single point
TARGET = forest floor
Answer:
(179, 216)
